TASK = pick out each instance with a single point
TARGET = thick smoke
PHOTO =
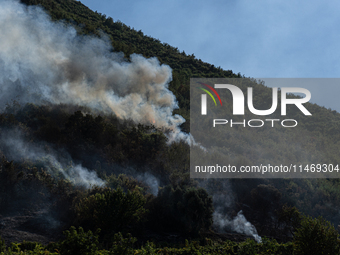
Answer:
(42, 61)
(17, 148)
(239, 224)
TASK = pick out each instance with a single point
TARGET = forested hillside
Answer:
(115, 180)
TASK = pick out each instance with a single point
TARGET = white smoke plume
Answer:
(239, 224)
(43, 61)
(150, 181)
(15, 146)
(224, 203)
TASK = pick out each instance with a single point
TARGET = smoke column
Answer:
(43, 61)
(223, 201)
(239, 224)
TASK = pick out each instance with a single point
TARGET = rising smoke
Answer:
(224, 204)
(43, 61)
(47, 62)
(239, 224)
(151, 181)
(18, 149)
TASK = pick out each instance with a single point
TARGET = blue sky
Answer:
(263, 38)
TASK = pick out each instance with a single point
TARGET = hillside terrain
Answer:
(111, 177)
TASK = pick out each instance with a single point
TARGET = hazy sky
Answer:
(263, 38)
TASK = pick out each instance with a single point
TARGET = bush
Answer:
(28, 246)
(183, 209)
(316, 236)
(111, 210)
(123, 246)
(265, 197)
(82, 243)
(2, 245)
(289, 220)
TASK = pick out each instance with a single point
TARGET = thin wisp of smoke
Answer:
(151, 181)
(17, 148)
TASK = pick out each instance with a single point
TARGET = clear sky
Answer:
(263, 38)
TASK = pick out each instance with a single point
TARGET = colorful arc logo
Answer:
(204, 97)
(208, 92)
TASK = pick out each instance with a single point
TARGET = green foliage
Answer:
(26, 248)
(316, 236)
(143, 143)
(123, 246)
(79, 242)
(183, 209)
(289, 219)
(265, 196)
(267, 246)
(2, 245)
(247, 247)
(265, 199)
(126, 183)
(111, 210)
(85, 128)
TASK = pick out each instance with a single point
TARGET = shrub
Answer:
(265, 197)
(183, 209)
(316, 236)
(289, 219)
(2, 245)
(79, 242)
(123, 246)
(111, 210)
(28, 246)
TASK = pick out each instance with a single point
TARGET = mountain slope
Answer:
(319, 135)
(77, 137)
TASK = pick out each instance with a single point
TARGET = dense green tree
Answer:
(111, 210)
(79, 242)
(183, 209)
(316, 236)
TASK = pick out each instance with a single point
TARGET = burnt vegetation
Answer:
(130, 214)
